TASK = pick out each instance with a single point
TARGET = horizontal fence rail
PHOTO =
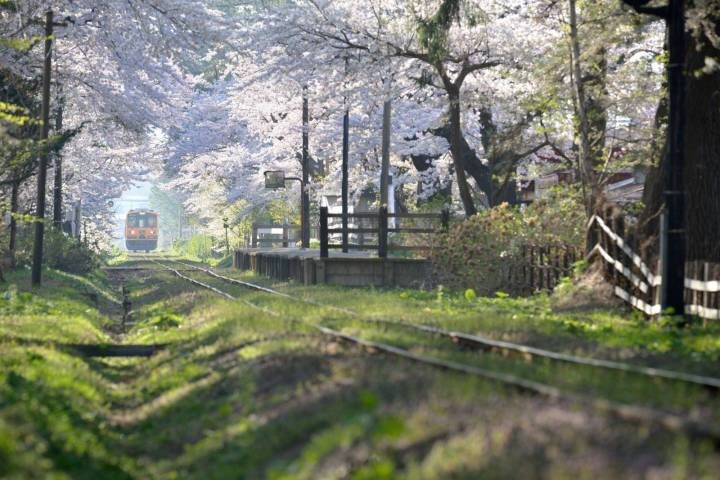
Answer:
(636, 284)
(290, 235)
(381, 230)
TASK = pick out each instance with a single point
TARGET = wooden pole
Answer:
(57, 190)
(305, 196)
(42, 172)
(673, 281)
(324, 232)
(385, 166)
(345, 155)
(383, 232)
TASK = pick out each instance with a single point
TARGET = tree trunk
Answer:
(456, 148)
(649, 224)
(702, 151)
(13, 220)
(585, 161)
(702, 162)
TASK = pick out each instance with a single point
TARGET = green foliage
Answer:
(59, 251)
(432, 33)
(197, 247)
(480, 252)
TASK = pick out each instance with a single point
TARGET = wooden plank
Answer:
(354, 230)
(111, 350)
(413, 230)
(354, 215)
(415, 215)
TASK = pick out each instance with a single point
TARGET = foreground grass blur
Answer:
(238, 393)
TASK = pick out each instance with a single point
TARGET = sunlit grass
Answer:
(240, 393)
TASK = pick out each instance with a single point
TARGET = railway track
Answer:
(624, 411)
(485, 343)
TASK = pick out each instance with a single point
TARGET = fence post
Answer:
(285, 235)
(445, 219)
(383, 232)
(254, 235)
(531, 261)
(523, 267)
(591, 238)
(618, 226)
(323, 232)
(706, 295)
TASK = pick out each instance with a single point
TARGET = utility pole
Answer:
(57, 190)
(345, 155)
(385, 166)
(305, 195)
(673, 274)
(42, 172)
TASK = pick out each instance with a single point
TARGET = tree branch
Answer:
(640, 6)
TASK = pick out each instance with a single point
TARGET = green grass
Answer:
(238, 393)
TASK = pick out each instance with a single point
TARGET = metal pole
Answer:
(673, 281)
(345, 154)
(42, 172)
(304, 194)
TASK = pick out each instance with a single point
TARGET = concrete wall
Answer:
(306, 267)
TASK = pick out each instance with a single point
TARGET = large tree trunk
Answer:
(457, 151)
(702, 152)
(702, 163)
(649, 224)
(585, 160)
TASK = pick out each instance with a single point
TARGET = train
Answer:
(141, 230)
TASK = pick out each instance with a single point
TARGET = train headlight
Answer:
(133, 232)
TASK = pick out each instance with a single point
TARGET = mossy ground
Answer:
(238, 393)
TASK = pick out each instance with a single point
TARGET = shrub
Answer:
(59, 251)
(197, 246)
(480, 252)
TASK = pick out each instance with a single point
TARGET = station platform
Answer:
(355, 268)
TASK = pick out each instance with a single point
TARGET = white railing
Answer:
(642, 289)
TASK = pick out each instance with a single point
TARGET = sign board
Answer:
(274, 179)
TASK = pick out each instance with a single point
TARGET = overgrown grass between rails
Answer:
(601, 333)
(621, 387)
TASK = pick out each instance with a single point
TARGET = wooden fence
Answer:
(377, 225)
(541, 267)
(636, 282)
(290, 235)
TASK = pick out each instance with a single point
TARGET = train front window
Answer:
(151, 220)
(132, 221)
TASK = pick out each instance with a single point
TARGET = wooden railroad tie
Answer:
(112, 350)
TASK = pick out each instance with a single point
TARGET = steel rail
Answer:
(488, 343)
(628, 412)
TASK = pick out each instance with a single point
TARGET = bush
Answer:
(480, 252)
(197, 246)
(59, 251)
(68, 254)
